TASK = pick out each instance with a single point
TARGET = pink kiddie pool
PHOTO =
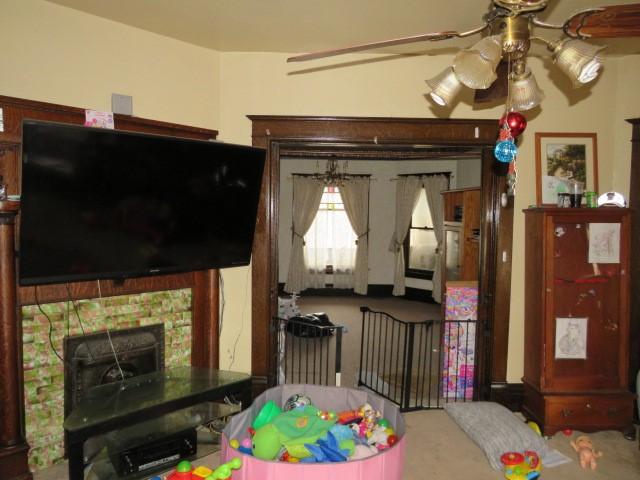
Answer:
(387, 465)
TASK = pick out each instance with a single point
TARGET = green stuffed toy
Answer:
(290, 430)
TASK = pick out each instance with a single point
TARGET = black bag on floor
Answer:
(309, 325)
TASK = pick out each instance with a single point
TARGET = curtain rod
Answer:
(430, 174)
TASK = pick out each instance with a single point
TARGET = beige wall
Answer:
(59, 55)
(370, 85)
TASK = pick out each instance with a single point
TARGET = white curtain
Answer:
(407, 191)
(433, 186)
(307, 193)
(330, 241)
(355, 196)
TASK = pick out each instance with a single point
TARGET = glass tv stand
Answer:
(147, 406)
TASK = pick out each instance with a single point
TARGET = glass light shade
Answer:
(525, 93)
(444, 87)
(490, 48)
(473, 70)
(475, 67)
(579, 60)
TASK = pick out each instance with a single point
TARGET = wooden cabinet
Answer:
(461, 234)
(577, 319)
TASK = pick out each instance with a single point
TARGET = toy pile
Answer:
(301, 432)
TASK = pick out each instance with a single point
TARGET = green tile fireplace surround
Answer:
(44, 372)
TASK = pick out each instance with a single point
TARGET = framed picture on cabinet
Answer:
(562, 158)
(571, 338)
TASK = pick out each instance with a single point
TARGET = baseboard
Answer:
(419, 295)
(511, 395)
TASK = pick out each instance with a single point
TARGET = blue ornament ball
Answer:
(505, 151)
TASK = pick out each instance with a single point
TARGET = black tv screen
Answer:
(99, 203)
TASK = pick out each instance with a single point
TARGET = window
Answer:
(330, 242)
(420, 244)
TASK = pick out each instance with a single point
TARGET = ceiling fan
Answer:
(496, 66)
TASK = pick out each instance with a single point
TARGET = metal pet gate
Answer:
(307, 352)
(417, 365)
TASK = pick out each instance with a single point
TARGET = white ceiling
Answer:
(298, 26)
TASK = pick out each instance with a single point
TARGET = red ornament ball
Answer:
(567, 432)
(392, 440)
(516, 122)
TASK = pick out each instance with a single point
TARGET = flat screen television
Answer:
(98, 204)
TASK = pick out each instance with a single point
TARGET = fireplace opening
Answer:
(90, 359)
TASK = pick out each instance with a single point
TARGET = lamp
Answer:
(332, 175)
(579, 60)
(523, 88)
(444, 87)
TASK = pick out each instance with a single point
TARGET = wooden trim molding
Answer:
(13, 444)
(357, 137)
(204, 285)
(634, 204)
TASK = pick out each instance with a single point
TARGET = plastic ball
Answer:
(389, 431)
(383, 422)
(392, 440)
(183, 467)
(516, 122)
(246, 442)
(567, 432)
(296, 400)
(234, 443)
(505, 151)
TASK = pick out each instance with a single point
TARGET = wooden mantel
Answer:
(204, 285)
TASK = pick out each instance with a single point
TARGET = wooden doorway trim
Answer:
(337, 135)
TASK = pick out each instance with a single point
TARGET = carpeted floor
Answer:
(438, 450)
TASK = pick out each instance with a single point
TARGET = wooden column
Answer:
(13, 446)
(634, 203)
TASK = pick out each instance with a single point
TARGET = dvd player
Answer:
(155, 454)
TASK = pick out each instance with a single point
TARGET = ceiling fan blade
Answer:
(498, 90)
(605, 22)
(433, 37)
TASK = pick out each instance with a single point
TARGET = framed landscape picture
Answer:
(561, 158)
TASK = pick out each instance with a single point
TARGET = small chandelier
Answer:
(333, 175)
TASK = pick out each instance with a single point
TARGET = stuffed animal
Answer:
(586, 454)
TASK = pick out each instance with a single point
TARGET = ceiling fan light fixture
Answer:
(475, 67)
(490, 48)
(579, 60)
(525, 93)
(444, 87)
(473, 70)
